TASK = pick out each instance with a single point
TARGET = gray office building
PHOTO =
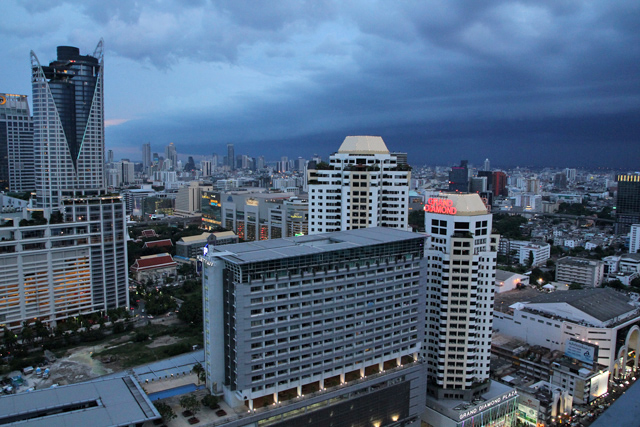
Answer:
(318, 330)
(16, 144)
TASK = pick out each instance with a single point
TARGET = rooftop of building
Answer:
(502, 275)
(464, 204)
(604, 304)
(110, 402)
(570, 260)
(363, 145)
(204, 236)
(635, 257)
(153, 261)
(158, 243)
(266, 250)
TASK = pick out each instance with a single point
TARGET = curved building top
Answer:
(455, 204)
(363, 145)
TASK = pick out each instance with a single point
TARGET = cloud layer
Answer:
(441, 80)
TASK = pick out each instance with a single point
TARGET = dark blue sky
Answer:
(530, 83)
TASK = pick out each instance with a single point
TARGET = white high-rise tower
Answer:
(461, 285)
(362, 186)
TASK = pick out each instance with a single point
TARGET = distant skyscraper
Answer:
(459, 178)
(170, 153)
(109, 156)
(231, 157)
(17, 171)
(634, 239)
(627, 202)
(68, 125)
(261, 163)
(363, 186)
(146, 157)
(487, 165)
(205, 166)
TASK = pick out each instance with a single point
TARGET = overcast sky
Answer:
(529, 83)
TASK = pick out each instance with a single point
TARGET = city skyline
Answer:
(501, 80)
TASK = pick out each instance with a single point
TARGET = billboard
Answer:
(581, 351)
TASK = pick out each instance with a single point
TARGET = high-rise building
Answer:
(318, 330)
(634, 239)
(68, 125)
(362, 186)
(627, 202)
(74, 263)
(487, 165)
(459, 178)
(231, 157)
(460, 284)
(171, 154)
(146, 157)
(206, 167)
(17, 171)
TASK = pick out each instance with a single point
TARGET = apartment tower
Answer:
(460, 275)
(363, 185)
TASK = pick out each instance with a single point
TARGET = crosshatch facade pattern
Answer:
(300, 319)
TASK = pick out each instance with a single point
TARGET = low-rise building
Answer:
(630, 263)
(536, 254)
(164, 243)
(154, 267)
(508, 281)
(543, 404)
(602, 317)
(583, 271)
(190, 247)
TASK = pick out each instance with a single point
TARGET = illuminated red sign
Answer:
(441, 206)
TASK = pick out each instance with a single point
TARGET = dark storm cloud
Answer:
(439, 79)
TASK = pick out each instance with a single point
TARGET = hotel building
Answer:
(364, 185)
(318, 329)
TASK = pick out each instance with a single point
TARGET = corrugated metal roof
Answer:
(603, 304)
(107, 402)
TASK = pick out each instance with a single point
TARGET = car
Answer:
(221, 412)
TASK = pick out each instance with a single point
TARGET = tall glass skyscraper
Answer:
(75, 261)
(68, 116)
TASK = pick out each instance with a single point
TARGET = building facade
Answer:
(69, 255)
(16, 144)
(627, 202)
(68, 125)
(461, 285)
(362, 186)
(588, 272)
(305, 324)
(65, 268)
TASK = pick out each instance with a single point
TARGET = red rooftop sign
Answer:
(441, 206)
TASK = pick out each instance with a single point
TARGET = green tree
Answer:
(191, 310)
(9, 339)
(575, 286)
(210, 401)
(165, 411)
(199, 371)
(190, 403)
(27, 334)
